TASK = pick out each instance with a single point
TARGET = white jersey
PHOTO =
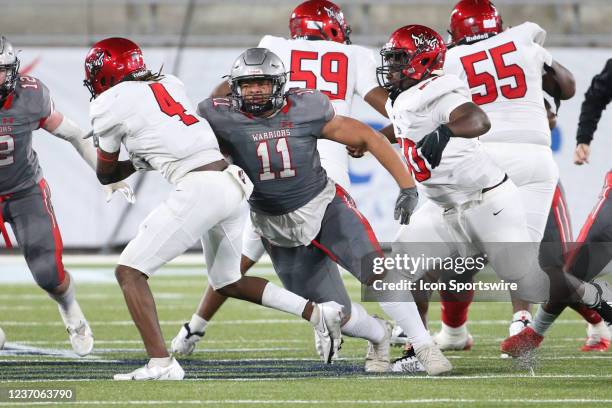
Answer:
(157, 124)
(465, 168)
(504, 73)
(338, 70)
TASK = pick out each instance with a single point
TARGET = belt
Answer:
(484, 190)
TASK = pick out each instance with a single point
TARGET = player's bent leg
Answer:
(32, 218)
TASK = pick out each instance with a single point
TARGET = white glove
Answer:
(121, 187)
(139, 163)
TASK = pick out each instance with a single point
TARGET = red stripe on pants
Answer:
(5, 235)
(348, 201)
(57, 237)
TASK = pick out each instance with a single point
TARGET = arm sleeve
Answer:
(596, 98)
(366, 72)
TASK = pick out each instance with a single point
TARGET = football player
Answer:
(305, 219)
(150, 114)
(320, 56)
(436, 123)
(592, 251)
(25, 196)
(506, 72)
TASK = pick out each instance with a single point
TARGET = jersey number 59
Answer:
(333, 69)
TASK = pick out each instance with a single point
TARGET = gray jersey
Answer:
(24, 111)
(279, 153)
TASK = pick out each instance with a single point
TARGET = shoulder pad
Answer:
(529, 32)
(425, 92)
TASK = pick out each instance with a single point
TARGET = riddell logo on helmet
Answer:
(424, 40)
(334, 14)
(476, 37)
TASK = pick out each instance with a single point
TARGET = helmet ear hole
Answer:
(103, 81)
(334, 32)
(425, 61)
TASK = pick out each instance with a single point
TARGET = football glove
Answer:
(433, 144)
(406, 203)
(122, 187)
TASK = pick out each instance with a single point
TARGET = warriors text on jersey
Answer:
(465, 168)
(278, 153)
(504, 73)
(156, 123)
(23, 111)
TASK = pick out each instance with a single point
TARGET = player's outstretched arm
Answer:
(354, 133)
(558, 82)
(63, 127)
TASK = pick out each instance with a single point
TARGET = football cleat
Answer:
(173, 372)
(453, 338)
(432, 359)
(185, 341)
(521, 343)
(604, 300)
(598, 338)
(398, 337)
(407, 363)
(377, 357)
(520, 320)
(81, 338)
(328, 330)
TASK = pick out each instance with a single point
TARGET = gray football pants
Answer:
(346, 239)
(30, 214)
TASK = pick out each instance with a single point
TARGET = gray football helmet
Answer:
(9, 63)
(258, 63)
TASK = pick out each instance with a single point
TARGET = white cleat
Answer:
(81, 338)
(185, 341)
(398, 337)
(433, 360)
(173, 372)
(453, 338)
(328, 330)
(377, 357)
(520, 320)
(408, 363)
(319, 346)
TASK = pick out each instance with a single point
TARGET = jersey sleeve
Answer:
(39, 104)
(265, 41)
(106, 124)
(443, 95)
(534, 35)
(446, 104)
(366, 71)
(313, 107)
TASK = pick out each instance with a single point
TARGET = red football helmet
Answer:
(109, 62)
(474, 20)
(414, 51)
(319, 19)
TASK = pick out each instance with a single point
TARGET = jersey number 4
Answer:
(169, 106)
(502, 71)
(334, 69)
(263, 152)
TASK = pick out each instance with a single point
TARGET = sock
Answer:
(455, 331)
(590, 297)
(455, 307)
(160, 362)
(283, 300)
(69, 308)
(197, 324)
(600, 329)
(364, 326)
(406, 316)
(590, 315)
(542, 321)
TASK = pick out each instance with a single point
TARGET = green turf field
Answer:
(252, 356)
